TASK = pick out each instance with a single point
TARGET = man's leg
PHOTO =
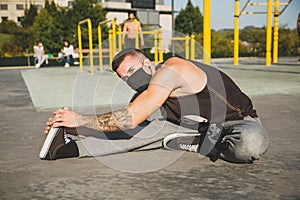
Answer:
(248, 141)
(142, 138)
(146, 136)
(130, 43)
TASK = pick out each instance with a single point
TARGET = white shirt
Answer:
(68, 50)
(38, 50)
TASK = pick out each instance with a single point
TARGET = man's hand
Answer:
(63, 117)
(67, 118)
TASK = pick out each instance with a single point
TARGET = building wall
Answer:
(119, 16)
(166, 24)
(14, 9)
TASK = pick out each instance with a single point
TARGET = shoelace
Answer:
(67, 140)
(189, 147)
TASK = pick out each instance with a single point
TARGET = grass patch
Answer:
(4, 38)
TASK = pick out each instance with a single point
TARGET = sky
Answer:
(222, 13)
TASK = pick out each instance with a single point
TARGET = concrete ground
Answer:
(27, 96)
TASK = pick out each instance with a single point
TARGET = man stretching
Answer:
(205, 112)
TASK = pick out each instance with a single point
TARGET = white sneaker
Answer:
(182, 141)
(67, 65)
(47, 62)
(37, 66)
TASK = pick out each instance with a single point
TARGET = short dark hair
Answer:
(118, 59)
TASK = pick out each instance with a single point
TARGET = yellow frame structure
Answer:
(88, 21)
(206, 32)
(269, 34)
(277, 13)
(112, 42)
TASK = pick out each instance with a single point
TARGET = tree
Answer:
(189, 20)
(288, 42)
(19, 42)
(51, 7)
(83, 9)
(43, 26)
(8, 26)
(255, 39)
(29, 16)
(220, 46)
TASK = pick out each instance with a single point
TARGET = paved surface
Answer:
(275, 93)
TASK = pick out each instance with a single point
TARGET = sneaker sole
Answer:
(47, 143)
(176, 135)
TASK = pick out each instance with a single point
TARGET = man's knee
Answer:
(249, 146)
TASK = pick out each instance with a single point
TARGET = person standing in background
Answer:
(130, 26)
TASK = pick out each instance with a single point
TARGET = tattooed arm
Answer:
(128, 118)
(109, 122)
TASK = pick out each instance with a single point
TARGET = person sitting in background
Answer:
(39, 54)
(67, 54)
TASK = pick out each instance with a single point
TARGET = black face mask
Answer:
(139, 80)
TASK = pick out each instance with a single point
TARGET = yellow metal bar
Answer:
(112, 41)
(80, 47)
(161, 55)
(253, 13)
(236, 33)
(192, 47)
(275, 42)
(177, 38)
(120, 37)
(285, 4)
(265, 4)
(100, 47)
(244, 7)
(136, 34)
(283, 9)
(269, 34)
(110, 44)
(114, 35)
(155, 46)
(91, 46)
(148, 32)
(187, 45)
(206, 32)
(88, 21)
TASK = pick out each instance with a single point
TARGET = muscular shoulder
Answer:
(167, 76)
(185, 76)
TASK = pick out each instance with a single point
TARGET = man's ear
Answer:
(147, 61)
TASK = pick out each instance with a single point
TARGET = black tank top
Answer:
(221, 100)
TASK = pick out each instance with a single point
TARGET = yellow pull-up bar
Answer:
(112, 47)
(269, 5)
(88, 21)
(206, 32)
(269, 34)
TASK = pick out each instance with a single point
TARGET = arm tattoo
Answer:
(109, 122)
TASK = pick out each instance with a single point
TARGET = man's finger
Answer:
(46, 130)
(58, 124)
(61, 110)
(58, 119)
